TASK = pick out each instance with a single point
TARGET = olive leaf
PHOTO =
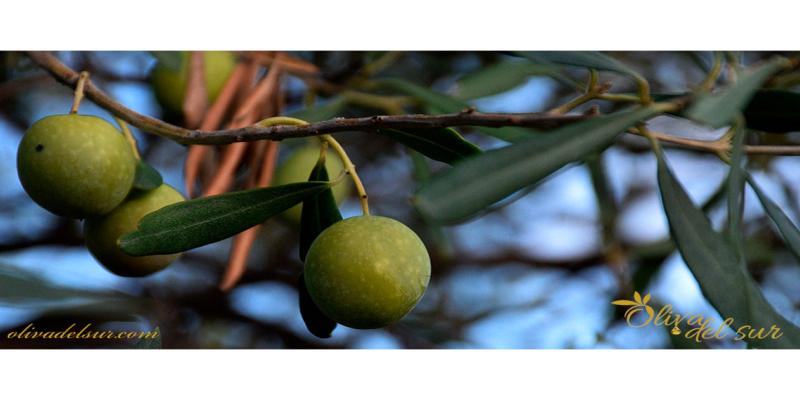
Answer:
(776, 111)
(194, 223)
(317, 323)
(587, 59)
(735, 188)
(442, 104)
(321, 112)
(722, 276)
(444, 145)
(319, 211)
(506, 75)
(719, 109)
(769, 110)
(785, 225)
(22, 288)
(485, 179)
(438, 235)
(146, 177)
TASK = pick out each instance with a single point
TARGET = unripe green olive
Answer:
(75, 166)
(367, 272)
(101, 233)
(297, 169)
(170, 86)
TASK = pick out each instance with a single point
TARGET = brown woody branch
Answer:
(67, 76)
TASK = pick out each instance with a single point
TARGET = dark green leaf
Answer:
(438, 236)
(146, 178)
(736, 194)
(587, 59)
(150, 343)
(444, 145)
(442, 104)
(722, 276)
(322, 112)
(194, 223)
(718, 109)
(605, 198)
(21, 288)
(785, 225)
(503, 76)
(776, 111)
(319, 212)
(483, 180)
(317, 323)
(169, 59)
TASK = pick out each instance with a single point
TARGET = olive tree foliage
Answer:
(468, 164)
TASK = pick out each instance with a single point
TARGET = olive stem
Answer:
(651, 137)
(351, 170)
(349, 167)
(126, 131)
(713, 75)
(591, 94)
(79, 92)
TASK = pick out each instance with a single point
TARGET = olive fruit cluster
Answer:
(367, 272)
(81, 167)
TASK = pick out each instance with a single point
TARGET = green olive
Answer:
(101, 234)
(75, 166)
(170, 86)
(367, 272)
(297, 169)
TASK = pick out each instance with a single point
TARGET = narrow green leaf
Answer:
(735, 184)
(170, 59)
(22, 288)
(722, 276)
(319, 212)
(150, 343)
(439, 237)
(146, 178)
(442, 104)
(785, 225)
(605, 198)
(444, 145)
(769, 110)
(506, 75)
(194, 223)
(483, 180)
(587, 59)
(776, 111)
(322, 112)
(719, 109)
(317, 323)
